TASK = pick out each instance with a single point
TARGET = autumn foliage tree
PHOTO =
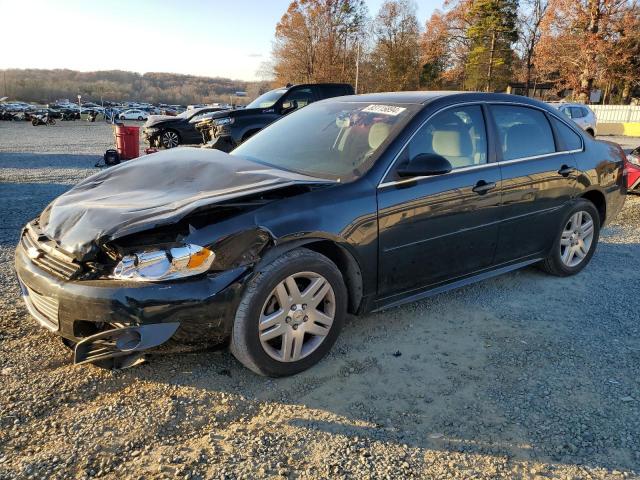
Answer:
(316, 41)
(396, 52)
(584, 41)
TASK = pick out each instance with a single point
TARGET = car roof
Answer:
(570, 104)
(426, 97)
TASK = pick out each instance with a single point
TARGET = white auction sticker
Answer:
(384, 109)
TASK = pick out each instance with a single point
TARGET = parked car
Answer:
(581, 114)
(169, 131)
(633, 171)
(133, 114)
(7, 115)
(351, 204)
(229, 129)
(37, 113)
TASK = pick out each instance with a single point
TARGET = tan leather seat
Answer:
(378, 133)
(453, 145)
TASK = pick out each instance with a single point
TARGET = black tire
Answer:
(553, 264)
(122, 117)
(590, 132)
(245, 342)
(166, 139)
(140, 119)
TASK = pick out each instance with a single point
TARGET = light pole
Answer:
(357, 63)
(79, 104)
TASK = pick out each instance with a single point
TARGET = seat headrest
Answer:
(378, 133)
(451, 143)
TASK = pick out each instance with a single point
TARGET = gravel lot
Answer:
(522, 376)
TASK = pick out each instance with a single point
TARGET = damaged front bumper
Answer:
(152, 136)
(109, 319)
(214, 136)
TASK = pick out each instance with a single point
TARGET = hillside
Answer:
(34, 85)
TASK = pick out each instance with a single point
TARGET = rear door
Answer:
(538, 180)
(434, 229)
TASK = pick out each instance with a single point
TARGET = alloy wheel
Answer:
(576, 239)
(297, 316)
(170, 139)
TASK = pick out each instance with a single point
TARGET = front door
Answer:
(433, 229)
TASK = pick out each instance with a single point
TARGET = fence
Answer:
(616, 113)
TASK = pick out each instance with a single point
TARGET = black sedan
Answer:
(350, 205)
(171, 131)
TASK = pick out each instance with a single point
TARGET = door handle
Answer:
(566, 170)
(483, 187)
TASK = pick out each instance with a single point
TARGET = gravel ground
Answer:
(522, 376)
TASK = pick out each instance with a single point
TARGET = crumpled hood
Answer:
(156, 119)
(154, 190)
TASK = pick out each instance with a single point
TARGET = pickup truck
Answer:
(227, 129)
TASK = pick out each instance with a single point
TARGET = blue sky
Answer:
(200, 37)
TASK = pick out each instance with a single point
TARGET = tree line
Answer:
(45, 86)
(574, 46)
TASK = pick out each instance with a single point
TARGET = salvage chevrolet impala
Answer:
(348, 205)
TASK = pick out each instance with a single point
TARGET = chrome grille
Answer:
(42, 307)
(48, 258)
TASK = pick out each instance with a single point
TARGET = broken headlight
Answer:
(223, 121)
(164, 264)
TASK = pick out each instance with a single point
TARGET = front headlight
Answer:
(156, 264)
(223, 121)
(633, 159)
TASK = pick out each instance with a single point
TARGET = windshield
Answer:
(267, 100)
(333, 140)
(187, 113)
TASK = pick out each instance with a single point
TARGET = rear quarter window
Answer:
(568, 139)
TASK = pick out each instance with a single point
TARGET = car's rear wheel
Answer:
(169, 139)
(290, 314)
(575, 244)
(140, 119)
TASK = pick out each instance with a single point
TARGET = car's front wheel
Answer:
(169, 139)
(576, 242)
(290, 314)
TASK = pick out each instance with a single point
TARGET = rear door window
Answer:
(522, 131)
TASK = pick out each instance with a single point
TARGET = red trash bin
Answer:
(127, 141)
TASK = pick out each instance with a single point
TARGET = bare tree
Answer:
(532, 13)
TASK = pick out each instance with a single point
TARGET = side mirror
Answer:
(424, 165)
